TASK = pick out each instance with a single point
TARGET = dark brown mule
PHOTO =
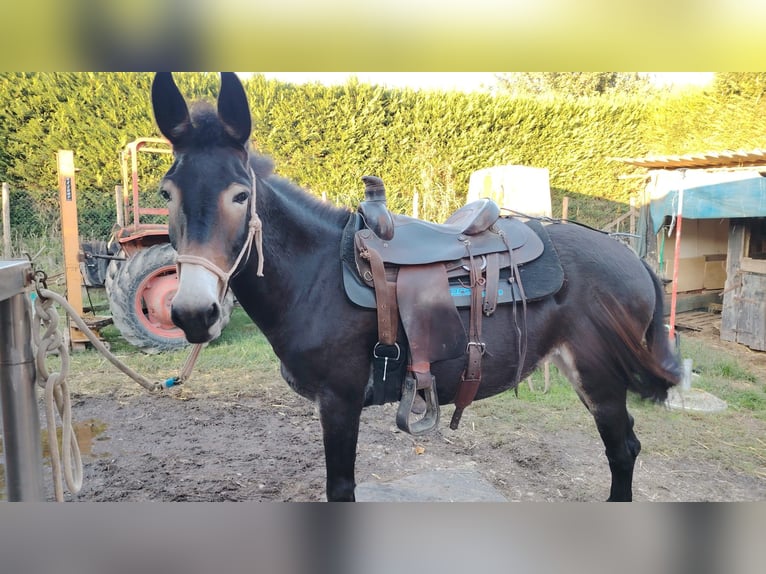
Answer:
(604, 328)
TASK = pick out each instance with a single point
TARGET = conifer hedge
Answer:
(326, 138)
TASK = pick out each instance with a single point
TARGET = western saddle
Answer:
(409, 264)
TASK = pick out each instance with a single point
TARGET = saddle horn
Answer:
(374, 189)
(373, 209)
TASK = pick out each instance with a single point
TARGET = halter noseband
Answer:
(254, 233)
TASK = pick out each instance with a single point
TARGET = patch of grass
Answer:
(558, 408)
(728, 369)
(732, 370)
(714, 362)
(238, 357)
(720, 374)
(242, 352)
(754, 400)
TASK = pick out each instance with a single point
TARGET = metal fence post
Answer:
(21, 425)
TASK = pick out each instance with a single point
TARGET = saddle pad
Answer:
(541, 277)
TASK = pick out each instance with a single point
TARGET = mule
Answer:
(235, 223)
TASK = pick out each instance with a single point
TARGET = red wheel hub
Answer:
(153, 299)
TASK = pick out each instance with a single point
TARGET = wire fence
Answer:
(31, 224)
(31, 227)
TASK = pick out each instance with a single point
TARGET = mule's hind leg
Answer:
(615, 425)
(340, 431)
(605, 398)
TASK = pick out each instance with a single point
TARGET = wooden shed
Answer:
(720, 199)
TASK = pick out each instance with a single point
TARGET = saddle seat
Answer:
(474, 229)
(470, 219)
(417, 242)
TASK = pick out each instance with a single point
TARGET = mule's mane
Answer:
(262, 165)
(322, 211)
(207, 128)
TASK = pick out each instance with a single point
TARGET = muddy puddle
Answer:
(87, 432)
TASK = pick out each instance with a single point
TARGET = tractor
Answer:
(137, 265)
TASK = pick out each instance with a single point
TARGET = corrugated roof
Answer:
(722, 159)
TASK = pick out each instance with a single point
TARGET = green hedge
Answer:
(326, 138)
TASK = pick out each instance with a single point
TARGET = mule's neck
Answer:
(301, 250)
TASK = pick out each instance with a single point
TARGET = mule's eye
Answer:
(241, 197)
(165, 194)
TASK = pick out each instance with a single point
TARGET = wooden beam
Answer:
(71, 238)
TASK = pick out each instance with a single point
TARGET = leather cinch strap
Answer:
(471, 380)
(493, 283)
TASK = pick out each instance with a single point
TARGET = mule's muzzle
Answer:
(200, 323)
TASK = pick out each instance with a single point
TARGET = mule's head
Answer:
(210, 193)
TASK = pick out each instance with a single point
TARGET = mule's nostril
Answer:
(197, 323)
(213, 313)
(175, 317)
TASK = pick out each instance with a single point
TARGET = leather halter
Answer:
(254, 233)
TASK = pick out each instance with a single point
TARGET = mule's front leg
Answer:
(340, 431)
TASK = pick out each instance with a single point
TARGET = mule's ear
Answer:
(233, 108)
(170, 110)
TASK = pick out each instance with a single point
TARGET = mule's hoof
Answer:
(418, 405)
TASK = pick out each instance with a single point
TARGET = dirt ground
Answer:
(264, 444)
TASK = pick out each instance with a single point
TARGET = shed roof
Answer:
(707, 160)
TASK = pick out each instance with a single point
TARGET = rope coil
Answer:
(56, 392)
(66, 463)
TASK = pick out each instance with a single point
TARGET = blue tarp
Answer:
(740, 198)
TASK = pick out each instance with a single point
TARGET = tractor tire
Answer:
(140, 290)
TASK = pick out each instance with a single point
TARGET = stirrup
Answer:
(429, 420)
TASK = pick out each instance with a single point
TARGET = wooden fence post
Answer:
(71, 238)
(119, 205)
(633, 215)
(6, 221)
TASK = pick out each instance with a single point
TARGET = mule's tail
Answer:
(657, 339)
(644, 358)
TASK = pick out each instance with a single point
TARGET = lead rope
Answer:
(45, 298)
(66, 463)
